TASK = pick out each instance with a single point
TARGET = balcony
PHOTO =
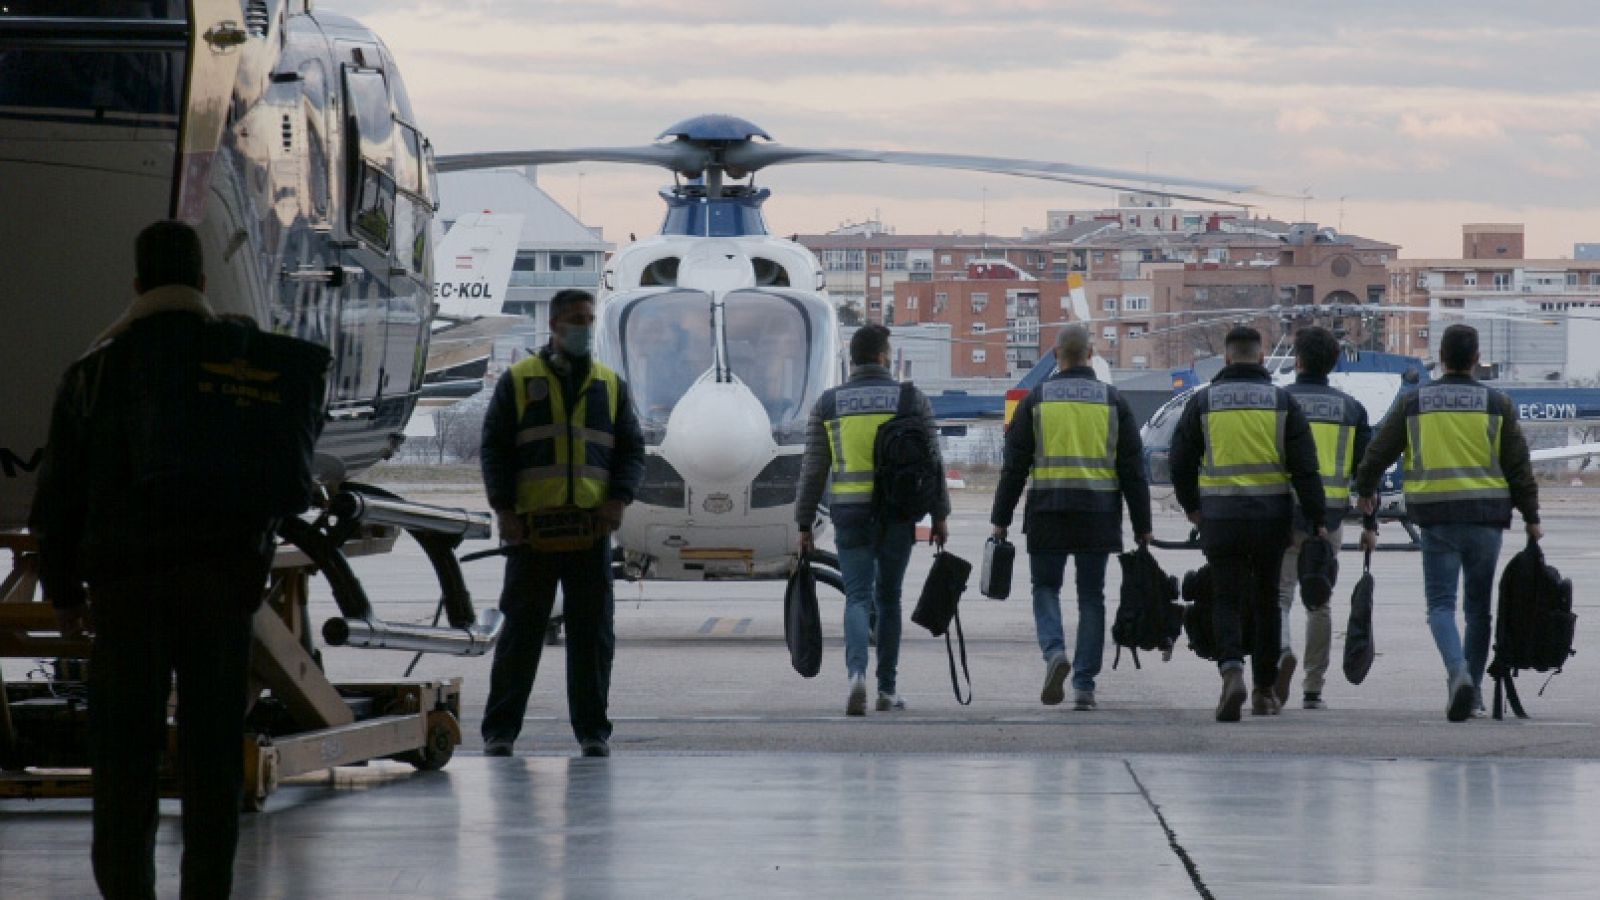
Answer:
(555, 279)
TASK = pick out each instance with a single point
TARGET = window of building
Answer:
(979, 327)
(944, 259)
(874, 281)
(1135, 331)
(1141, 362)
(1136, 304)
(1594, 279)
(940, 301)
(571, 262)
(1572, 279)
(1099, 256)
(980, 301)
(1108, 304)
(874, 258)
(1470, 279)
(911, 302)
(980, 355)
(1502, 281)
(1109, 333)
(526, 261)
(894, 260)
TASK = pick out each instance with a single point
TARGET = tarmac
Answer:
(733, 776)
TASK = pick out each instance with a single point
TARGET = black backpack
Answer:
(1148, 616)
(906, 481)
(1534, 626)
(1197, 617)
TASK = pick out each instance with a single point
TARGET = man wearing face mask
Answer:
(562, 456)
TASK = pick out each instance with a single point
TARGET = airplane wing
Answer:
(1575, 451)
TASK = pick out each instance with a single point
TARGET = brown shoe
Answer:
(1233, 694)
(1286, 664)
(1263, 702)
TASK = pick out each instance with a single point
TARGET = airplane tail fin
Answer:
(472, 264)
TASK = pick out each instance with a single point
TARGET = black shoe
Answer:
(596, 748)
(497, 747)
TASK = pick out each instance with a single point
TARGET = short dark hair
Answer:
(1458, 346)
(1317, 350)
(867, 344)
(565, 300)
(168, 252)
(1242, 338)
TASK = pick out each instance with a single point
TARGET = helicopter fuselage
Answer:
(313, 206)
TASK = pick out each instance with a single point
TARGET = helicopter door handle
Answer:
(333, 276)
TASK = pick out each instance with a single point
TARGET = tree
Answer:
(850, 314)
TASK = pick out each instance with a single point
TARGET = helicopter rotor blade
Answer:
(679, 156)
(751, 157)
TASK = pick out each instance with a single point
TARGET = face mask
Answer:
(577, 341)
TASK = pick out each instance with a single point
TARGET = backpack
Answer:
(1148, 616)
(1534, 626)
(1197, 617)
(906, 481)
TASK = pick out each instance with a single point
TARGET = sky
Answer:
(1403, 119)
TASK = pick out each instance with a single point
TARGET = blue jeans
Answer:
(1448, 551)
(1048, 571)
(872, 560)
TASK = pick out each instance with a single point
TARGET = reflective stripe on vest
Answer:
(1075, 437)
(572, 448)
(1244, 442)
(852, 432)
(1453, 446)
(1335, 440)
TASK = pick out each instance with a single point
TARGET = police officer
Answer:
(1339, 425)
(1079, 440)
(172, 583)
(1239, 447)
(873, 549)
(1467, 465)
(562, 456)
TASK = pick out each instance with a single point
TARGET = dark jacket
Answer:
(500, 425)
(1299, 448)
(1515, 464)
(1075, 521)
(102, 509)
(1309, 391)
(816, 465)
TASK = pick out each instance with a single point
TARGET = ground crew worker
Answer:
(1466, 466)
(1239, 447)
(172, 584)
(1339, 425)
(562, 457)
(1079, 439)
(873, 548)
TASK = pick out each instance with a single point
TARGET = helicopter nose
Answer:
(719, 433)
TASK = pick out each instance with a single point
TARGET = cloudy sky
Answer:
(1419, 114)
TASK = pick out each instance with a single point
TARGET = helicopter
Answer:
(726, 336)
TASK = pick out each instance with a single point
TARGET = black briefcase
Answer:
(995, 579)
(802, 622)
(938, 608)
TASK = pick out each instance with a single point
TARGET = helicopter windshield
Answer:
(775, 347)
(665, 342)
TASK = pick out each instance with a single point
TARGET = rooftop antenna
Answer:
(1341, 213)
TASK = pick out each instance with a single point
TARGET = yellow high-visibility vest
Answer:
(1075, 437)
(858, 413)
(1335, 438)
(1453, 446)
(563, 456)
(1244, 428)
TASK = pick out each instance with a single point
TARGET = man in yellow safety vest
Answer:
(1467, 466)
(1239, 451)
(562, 456)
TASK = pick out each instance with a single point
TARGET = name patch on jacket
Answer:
(1321, 408)
(864, 401)
(1073, 390)
(1243, 396)
(1453, 398)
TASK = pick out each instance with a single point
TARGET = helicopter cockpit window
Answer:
(773, 343)
(374, 121)
(408, 161)
(372, 217)
(666, 345)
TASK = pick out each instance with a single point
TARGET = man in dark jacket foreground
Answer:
(1078, 439)
(172, 583)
